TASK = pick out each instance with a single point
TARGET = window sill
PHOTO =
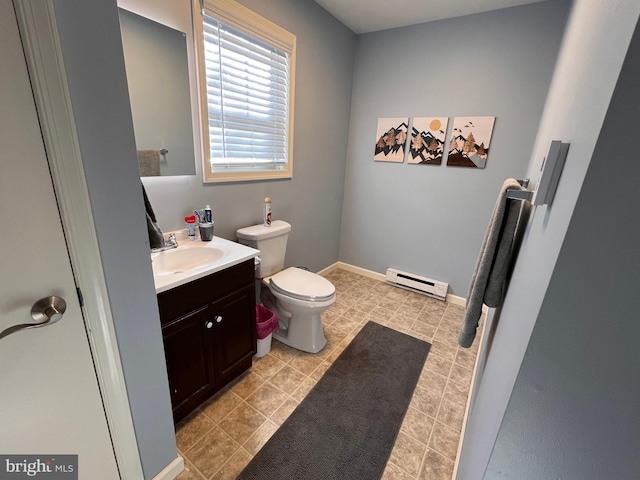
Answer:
(228, 177)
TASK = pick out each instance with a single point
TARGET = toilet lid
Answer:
(303, 285)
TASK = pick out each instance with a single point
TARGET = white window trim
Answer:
(240, 17)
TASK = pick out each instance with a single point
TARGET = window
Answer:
(247, 69)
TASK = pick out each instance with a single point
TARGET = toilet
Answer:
(297, 296)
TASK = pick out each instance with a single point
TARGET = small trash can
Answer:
(266, 324)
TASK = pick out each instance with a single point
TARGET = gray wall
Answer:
(94, 66)
(312, 200)
(588, 66)
(575, 402)
(427, 219)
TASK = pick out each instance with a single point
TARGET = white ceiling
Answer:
(363, 16)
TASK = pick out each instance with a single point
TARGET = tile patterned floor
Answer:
(220, 438)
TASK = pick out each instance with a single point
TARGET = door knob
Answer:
(209, 324)
(48, 310)
(44, 312)
(218, 318)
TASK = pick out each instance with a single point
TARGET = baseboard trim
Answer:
(456, 300)
(329, 269)
(452, 299)
(353, 269)
(172, 470)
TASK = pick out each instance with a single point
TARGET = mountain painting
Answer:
(470, 139)
(427, 140)
(391, 138)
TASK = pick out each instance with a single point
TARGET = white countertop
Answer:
(232, 254)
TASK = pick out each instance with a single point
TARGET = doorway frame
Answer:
(43, 54)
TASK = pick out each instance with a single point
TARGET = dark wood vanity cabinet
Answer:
(209, 333)
(188, 349)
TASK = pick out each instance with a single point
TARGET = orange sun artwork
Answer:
(427, 140)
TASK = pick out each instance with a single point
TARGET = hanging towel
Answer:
(156, 239)
(487, 283)
(147, 205)
(149, 163)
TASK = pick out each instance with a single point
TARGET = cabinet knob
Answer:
(208, 324)
(218, 318)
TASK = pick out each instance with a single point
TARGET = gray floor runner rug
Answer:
(346, 426)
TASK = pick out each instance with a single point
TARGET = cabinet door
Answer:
(235, 332)
(189, 354)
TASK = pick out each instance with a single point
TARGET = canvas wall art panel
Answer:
(391, 138)
(470, 139)
(427, 140)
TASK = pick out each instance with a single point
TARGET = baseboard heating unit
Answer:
(418, 284)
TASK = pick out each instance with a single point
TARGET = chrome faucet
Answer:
(170, 243)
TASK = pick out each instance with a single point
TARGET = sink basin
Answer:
(182, 260)
(193, 260)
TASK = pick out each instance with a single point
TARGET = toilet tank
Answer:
(272, 243)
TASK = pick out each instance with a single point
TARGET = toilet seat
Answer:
(302, 285)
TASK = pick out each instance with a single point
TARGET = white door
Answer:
(49, 398)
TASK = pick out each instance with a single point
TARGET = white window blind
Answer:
(247, 97)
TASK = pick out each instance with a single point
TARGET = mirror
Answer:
(158, 77)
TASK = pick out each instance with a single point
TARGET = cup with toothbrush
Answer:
(205, 224)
